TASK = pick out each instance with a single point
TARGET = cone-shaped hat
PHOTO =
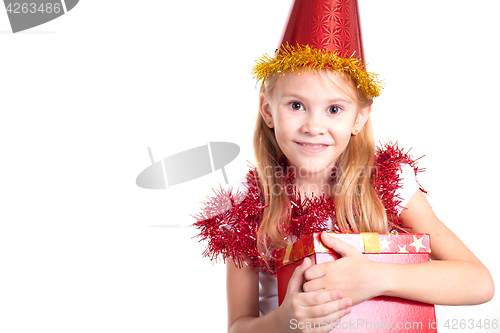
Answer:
(321, 34)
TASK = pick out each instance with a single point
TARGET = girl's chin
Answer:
(305, 171)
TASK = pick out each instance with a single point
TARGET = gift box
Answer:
(379, 314)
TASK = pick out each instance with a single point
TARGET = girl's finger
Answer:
(297, 279)
(314, 285)
(338, 307)
(309, 299)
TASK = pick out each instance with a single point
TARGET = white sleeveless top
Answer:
(268, 286)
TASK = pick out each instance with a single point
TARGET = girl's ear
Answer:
(265, 111)
(361, 119)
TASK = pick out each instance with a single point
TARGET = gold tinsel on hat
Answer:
(295, 58)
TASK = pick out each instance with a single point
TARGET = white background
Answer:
(83, 249)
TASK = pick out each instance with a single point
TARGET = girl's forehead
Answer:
(325, 80)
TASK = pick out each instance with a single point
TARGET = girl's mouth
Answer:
(312, 147)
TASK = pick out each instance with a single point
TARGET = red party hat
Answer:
(321, 34)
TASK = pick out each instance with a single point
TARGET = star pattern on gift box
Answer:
(402, 249)
(302, 250)
(417, 243)
(384, 243)
(308, 243)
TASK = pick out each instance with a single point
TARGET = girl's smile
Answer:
(312, 147)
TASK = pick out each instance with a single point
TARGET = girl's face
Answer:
(313, 116)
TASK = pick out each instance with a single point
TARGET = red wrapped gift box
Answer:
(379, 314)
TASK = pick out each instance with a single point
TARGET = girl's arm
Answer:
(242, 288)
(454, 276)
(298, 307)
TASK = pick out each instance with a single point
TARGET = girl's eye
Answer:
(334, 109)
(296, 106)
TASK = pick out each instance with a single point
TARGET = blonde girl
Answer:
(303, 116)
(318, 170)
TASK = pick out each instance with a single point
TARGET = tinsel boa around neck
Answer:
(230, 221)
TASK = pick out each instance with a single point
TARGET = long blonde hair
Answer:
(357, 206)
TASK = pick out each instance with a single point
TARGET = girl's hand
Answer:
(354, 274)
(317, 309)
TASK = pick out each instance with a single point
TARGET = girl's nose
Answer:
(314, 124)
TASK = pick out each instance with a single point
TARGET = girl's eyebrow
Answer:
(303, 98)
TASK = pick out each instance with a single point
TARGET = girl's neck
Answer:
(314, 185)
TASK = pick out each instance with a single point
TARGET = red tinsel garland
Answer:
(230, 221)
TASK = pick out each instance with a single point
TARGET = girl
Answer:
(318, 170)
